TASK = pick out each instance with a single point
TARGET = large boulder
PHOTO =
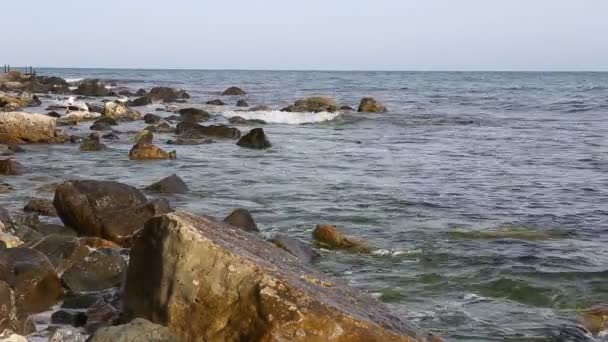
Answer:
(20, 127)
(92, 87)
(192, 130)
(105, 209)
(100, 270)
(48, 84)
(314, 104)
(169, 185)
(210, 282)
(235, 91)
(370, 105)
(121, 112)
(31, 275)
(256, 139)
(242, 219)
(138, 329)
(166, 94)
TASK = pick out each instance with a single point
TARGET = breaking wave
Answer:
(275, 116)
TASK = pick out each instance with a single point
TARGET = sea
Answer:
(483, 194)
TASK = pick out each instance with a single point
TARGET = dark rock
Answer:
(62, 251)
(194, 275)
(105, 209)
(329, 236)
(303, 251)
(242, 103)
(138, 329)
(234, 91)
(79, 301)
(41, 206)
(140, 101)
(370, 105)
(74, 139)
(149, 152)
(313, 104)
(110, 136)
(100, 270)
(242, 219)
(47, 229)
(193, 115)
(110, 121)
(258, 109)
(190, 130)
(94, 107)
(30, 274)
(10, 317)
(100, 126)
(5, 216)
(169, 185)
(11, 167)
(162, 127)
(140, 92)
(180, 141)
(65, 317)
(49, 84)
(347, 109)
(151, 118)
(125, 92)
(256, 138)
(91, 88)
(53, 114)
(100, 315)
(92, 144)
(167, 94)
(216, 102)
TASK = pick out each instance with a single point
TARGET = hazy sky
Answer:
(307, 34)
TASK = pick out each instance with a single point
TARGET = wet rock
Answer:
(121, 112)
(73, 118)
(108, 120)
(242, 219)
(259, 109)
(10, 336)
(138, 329)
(144, 137)
(41, 206)
(216, 102)
(329, 236)
(110, 136)
(140, 101)
(47, 229)
(68, 335)
(169, 185)
(162, 127)
(149, 152)
(295, 247)
(94, 107)
(193, 115)
(315, 104)
(209, 282)
(235, 91)
(31, 275)
(151, 118)
(347, 108)
(49, 187)
(237, 120)
(68, 317)
(125, 92)
(80, 301)
(10, 318)
(15, 102)
(101, 315)
(100, 270)
(11, 167)
(53, 114)
(21, 128)
(595, 319)
(105, 209)
(242, 103)
(140, 92)
(370, 105)
(256, 138)
(8, 240)
(167, 94)
(191, 130)
(62, 251)
(92, 144)
(180, 141)
(92, 87)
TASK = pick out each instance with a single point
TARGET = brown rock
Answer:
(62, 251)
(208, 282)
(596, 319)
(190, 130)
(169, 185)
(21, 128)
(10, 318)
(91, 87)
(148, 152)
(100, 270)
(314, 104)
(256, 139)
(99, 315)
(138, 329)
(235, 91)
(11, 167)
(167, 94)
(330, 237)
(370, 105)
(242, 219)
(41, 206)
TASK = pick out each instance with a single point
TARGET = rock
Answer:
(15, 102)
(216, 102)
(47, 229)
(166, 94)
(125, 92)
(191, 130)
(313, 104)
(11, 167)
(242, 219)
(95, 242)
(301, 250)
(193, 115)
(5, 188)
(149, 152)
(595, 319)
(144, 137)
(41, 206)
(121, 112)
(8, 240)
(54, 114)
(10, 318)
(140, 92)
(94, 107)
(209, 282)
(140, 101)
(110, 136)
(65, 317)
(67, 335)
(151, 118)
(9, 336)
(370, 105)
(137, 330)
(62, 251)
(259, 109)
(79, 301)
(330, 237)
(20, 128)
(92, 87)
(236, 91)
(162, 127)
(169, 185)
(73, 118)
(100, 270)
(100, 315)
(256, 138)
(108, 120)
(347, 108)
(30, 274)
(92, 144)
(100, 126)
(48, 84)
(237, 120)
(110, 210)
(242, 103)
(180, 141)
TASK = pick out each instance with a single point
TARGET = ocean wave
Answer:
(275, 116)
(74, 80)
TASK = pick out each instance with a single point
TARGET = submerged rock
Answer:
(301, 250)
(166, 94)
(256, 138)
(92, 144)
(242, 219)
(92, 87)
(180, 141)
(101, 315)
(235, 91)
(21, 128)
(330, 237)
(237, 120)
(105, 209)
(41, 206)
(138, 329)
(314, 104)
(169, 185)
(216, 102)
(162, 127)
(209, 282)
(100, 270)
(11, 167)
(370, 105)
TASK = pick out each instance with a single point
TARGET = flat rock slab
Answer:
(207, 281)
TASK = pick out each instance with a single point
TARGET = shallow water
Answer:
(486, 194)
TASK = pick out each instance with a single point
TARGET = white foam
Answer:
(74, 80)
(275, 116)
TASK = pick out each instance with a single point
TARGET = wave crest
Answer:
(275, 116)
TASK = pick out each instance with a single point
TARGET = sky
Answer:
(524, 35)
